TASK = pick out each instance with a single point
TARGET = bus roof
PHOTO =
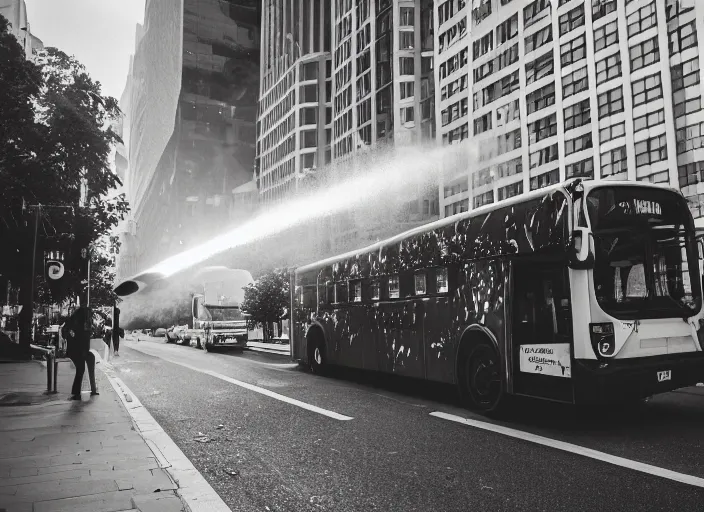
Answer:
(588, 185)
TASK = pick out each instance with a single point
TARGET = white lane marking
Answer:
(263, 391)
(576, 449)
(193, 489)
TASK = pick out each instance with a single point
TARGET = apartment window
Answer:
(608, 68)
(515, 189)
(481, 177)
(510, 168)
(537, 40)
(613, 162)
(582, 169)
(578, 144)
(535, 11)
(508, 141)
(647, 89)
(482, 124)
(674, 8)
(543, 156)
(573, 51)
(575, 82)
(407, 89)
(543, 97)
(612, 132)
(685, 75)
(407, 16)
(606, 36)
(507, 113)
(642, 19)
(691, 174)
(406, 65)
(690, 138)
(648, 120)
(577, 115)
(481, 11)
(644, 54)
(507, 30)
(611, 102)
(539, 68)
(685, 107)
(542, 128)
(407, 115)
(483, 45)
(651, 150)
(498, 63)
(683, 37)
(544, 180)
(572, 20)
(406, 40)
(601, 8)
(485, 198)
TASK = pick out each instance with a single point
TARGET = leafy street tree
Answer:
(55, 142)
(267, 300)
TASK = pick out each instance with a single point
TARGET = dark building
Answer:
(191, 107)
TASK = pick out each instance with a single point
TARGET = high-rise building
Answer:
(191, 103)
(16, 13)
(608, 89)
(294, 116)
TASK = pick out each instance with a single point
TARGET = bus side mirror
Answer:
(581, 250)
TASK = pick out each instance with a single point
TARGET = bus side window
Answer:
(356, 291)
(394, 287)
(341, 292)
(375, 290)
(419, 284)
(441, 282)
(330, 292)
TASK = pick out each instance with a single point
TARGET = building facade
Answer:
(294, 116)
(16, 13)
(191, 103)
(551, 90)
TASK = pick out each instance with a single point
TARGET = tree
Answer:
(55, 140)
(267, 300)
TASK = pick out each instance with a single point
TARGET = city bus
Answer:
(585, 292)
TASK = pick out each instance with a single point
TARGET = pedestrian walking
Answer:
(117, 331)
(77, 331)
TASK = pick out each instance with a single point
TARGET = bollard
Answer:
(49, 371)
(56, 373)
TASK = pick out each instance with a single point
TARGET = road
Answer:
(369, 443)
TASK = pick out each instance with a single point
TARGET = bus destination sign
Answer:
(550, 359)
(641, 207)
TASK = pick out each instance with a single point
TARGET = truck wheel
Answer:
(316, 355)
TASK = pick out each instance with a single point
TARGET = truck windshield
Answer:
(646, 259)
(220, 314)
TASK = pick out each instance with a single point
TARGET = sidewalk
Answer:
(272, 348)
(62, 455)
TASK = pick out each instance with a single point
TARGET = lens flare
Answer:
(415, 167)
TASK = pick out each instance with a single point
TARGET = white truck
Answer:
(217, 321)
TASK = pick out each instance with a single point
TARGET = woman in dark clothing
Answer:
(77, 331)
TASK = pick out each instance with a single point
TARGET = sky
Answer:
(99, 33)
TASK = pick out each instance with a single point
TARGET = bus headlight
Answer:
(603, 339)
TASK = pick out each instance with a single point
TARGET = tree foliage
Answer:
(267, 300)
(55, 143)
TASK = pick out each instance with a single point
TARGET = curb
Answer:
(269, 351)
(194, 491)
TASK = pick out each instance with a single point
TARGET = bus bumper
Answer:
(619, 380)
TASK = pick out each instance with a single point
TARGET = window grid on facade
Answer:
(642, 19)
(650, 151)
(644, 54)
(610, 102)
(613, 162)
(608, 68)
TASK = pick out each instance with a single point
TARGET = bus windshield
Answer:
(646, 255)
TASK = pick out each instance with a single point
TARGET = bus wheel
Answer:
(480, 377)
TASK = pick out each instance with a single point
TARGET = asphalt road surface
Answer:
(269, 436)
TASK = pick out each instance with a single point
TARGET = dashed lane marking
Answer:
(576, 449)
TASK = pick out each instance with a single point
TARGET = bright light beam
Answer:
(413, 167)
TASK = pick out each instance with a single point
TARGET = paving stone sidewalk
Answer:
(78, 456)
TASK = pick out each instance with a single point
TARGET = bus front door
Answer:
(541, 330)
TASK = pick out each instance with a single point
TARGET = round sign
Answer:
(55, 269)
